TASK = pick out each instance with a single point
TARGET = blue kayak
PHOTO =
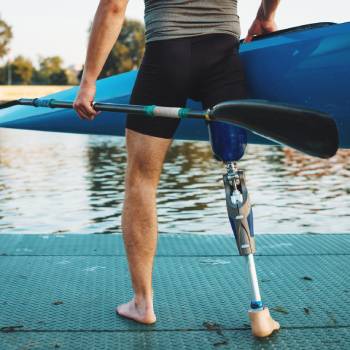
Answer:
(306, 66)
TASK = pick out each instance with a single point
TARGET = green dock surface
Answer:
(60, 292)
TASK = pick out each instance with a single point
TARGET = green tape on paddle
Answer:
(169, 112)
(149, 110)
(183, 112)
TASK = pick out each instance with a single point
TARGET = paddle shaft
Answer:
(308, 131)
(151, 111)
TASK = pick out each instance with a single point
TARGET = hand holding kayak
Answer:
(264, 22)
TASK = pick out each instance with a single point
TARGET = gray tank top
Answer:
(170, 19)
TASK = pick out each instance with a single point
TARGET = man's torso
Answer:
(171, 19)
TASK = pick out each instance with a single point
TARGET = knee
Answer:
(145, 157)
(141, 174)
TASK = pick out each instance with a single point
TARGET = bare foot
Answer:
(262, 323)
(139, 312)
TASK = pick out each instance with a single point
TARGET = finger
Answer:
(96, 112)
(91, 109)
(88, 111)
(248, 38)
(91, 112)
(77, 111)
(81, 114)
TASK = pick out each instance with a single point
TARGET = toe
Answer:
(277, 326)
(121, 309)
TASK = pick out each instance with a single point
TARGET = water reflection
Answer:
(51, 182)
(105, 174)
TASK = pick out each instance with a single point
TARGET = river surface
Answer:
(62, 183)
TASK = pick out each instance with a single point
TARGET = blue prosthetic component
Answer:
(228, 141)
(256, 305)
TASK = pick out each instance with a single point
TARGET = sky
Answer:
(47, 28)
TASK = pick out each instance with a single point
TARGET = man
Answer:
(191, 51)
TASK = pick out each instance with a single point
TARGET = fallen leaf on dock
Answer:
(306, 311)
(222, 342)
(8, 329)
(280, 309)
(307, 278)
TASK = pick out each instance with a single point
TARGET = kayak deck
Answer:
(60, 291)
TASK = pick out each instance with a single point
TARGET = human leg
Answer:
(139, 219)
(159, 82)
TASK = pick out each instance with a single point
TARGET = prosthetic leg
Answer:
(228, 144)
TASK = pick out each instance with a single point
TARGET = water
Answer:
(62, 183)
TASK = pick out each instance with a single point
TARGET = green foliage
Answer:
(125, 55)
(49, 66)
(51, 71)
(5, 37)
(132, 36)
(118, 61)
(22, 70)
(71, 76)
(127, 52)
(59, 78)
(3, 75)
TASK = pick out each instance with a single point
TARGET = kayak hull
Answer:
(307, 68)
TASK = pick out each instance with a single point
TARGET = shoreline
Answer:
(13, 92)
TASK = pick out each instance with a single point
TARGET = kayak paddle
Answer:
(312, 132)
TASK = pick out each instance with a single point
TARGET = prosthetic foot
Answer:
(262, 323)
(241, 219)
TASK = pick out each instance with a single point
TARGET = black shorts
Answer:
(204, 68)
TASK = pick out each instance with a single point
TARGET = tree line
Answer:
(22, 71)
(125, 55)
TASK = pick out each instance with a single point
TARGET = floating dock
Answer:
(60, 292)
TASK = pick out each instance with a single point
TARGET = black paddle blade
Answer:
(8, 104)
(308, 131)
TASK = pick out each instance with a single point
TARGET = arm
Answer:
(268, 9)
(105, 30)
(265, 19)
